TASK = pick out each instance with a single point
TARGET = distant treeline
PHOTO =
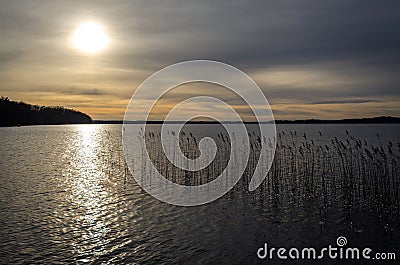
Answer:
(14, 113)
(383, 119)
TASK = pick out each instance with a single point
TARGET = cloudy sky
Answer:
(313, 59)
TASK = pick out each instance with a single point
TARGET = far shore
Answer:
(374, 120)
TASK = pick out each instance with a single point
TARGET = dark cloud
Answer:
(346, 101)
(90, 91)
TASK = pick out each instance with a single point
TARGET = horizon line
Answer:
(379, 119)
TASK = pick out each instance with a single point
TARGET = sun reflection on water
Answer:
(88, 193)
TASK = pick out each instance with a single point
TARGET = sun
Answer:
(90, 37)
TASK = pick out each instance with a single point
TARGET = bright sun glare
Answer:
(90, 37)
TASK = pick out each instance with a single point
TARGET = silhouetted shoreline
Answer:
(374, 120)
(14, 113)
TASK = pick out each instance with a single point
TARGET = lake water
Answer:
(66, 197)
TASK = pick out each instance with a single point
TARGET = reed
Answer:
(361, 178)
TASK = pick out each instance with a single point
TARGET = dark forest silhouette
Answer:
(14, 113)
